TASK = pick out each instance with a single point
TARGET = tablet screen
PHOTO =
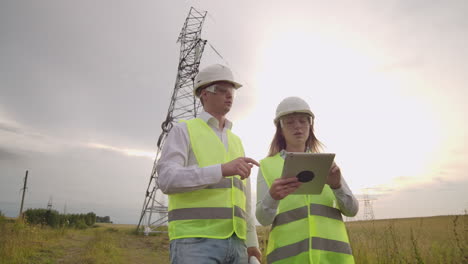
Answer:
(311, 169)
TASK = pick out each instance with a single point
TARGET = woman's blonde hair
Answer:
(279, 142)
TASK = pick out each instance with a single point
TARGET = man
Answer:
(203, 170)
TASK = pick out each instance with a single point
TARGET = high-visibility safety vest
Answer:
(306, 228)
(218, 210)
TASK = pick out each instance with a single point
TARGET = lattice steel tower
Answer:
(184, 105)
(368, 210)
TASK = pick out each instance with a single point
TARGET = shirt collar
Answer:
(211, 120)
(282, 153)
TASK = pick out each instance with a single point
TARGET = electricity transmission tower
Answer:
(368, 210)
(184, 105)
(49, 204)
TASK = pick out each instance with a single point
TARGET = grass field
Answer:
(105, 243)
(441, 239)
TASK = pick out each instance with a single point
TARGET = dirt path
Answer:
(142, 249)
(72, 247)
(107, 245)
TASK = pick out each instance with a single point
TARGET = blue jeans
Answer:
(200, 250)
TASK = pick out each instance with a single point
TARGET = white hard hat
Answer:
(214, 73)
(291, 105)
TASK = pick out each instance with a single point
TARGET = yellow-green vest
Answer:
(218, 210)
(306, 228)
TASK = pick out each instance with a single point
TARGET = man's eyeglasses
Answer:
(216, 89)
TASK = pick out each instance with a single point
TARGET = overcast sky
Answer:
(85, 86)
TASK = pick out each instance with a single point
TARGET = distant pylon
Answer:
(368, 210)
(183, 105)
(49, 204)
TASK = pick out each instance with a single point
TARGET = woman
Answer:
(305, 228)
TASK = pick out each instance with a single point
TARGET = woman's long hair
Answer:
(279, 142)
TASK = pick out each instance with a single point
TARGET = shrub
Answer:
(81, 224)
(90, 219)
(53, 219)
(103, 219)
(35, 216)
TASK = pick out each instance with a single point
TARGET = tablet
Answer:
(311, 169)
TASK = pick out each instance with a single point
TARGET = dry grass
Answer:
(441, 239)
(21, 243)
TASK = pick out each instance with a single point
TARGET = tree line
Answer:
(54, 219)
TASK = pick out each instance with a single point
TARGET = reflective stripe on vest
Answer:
(218, 210)
(303, 246)
(307, 228)
(301, 212)
(227, 183)
(205, 213)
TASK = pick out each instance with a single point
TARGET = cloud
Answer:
(7, 155)
(87, 90)
(125, 151)
(19, 138)
(16, 141)
(438, 197)
(10, 128)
